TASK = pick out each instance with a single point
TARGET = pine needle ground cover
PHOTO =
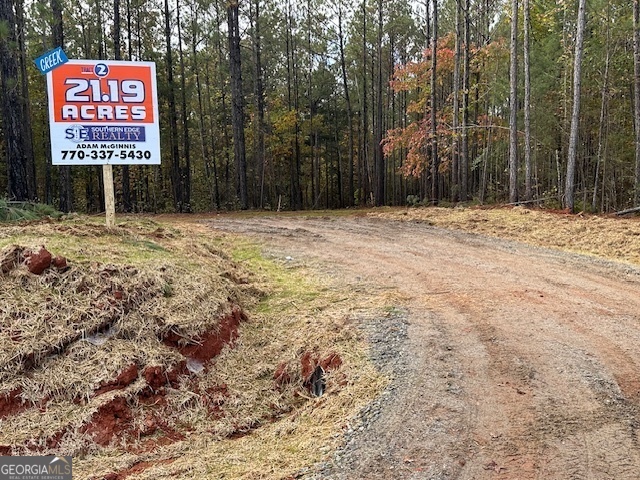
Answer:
(158, 351)
(615, 238)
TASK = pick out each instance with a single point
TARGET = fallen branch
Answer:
(628, 211)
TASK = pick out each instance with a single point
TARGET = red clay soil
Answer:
(155, 377)
(311, 361)
(124, 379)
(211, 343)
(59, 262)
(54, 440)
(11, 404)
(113, 418)
(333, 361)
(37, 261)
(282, 376)
(157, 432)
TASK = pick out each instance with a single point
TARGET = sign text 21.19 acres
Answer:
(104, 112)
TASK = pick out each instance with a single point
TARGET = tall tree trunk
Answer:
(48, 177)
(207, 160)
(296, 107)
(464, 158)
(528, 190)
(372, 137)
(423, 183)
(364, 175)
(12, 121)
(636, 96)
(339, 170)
(393, 118)
(138, 29)
(315, 180)
(347, 98)
(223, 98)
(101, 40)
(513, 105)
(185, 172)
(259, 153)
(129, 31)
(435, 194)
(293, 103)
(29, 159)
(575, 116)
(173, 121)
(117, 51)
(138, 194)
(455, 170)
(561, 147)
(604, 108)
(237, 99)
(293, 174)
(204, 134)
(380, 163)
(65, 184)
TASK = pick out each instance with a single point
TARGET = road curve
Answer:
(523, 363)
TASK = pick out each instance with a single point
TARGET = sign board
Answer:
(104, 112)
(51, 60)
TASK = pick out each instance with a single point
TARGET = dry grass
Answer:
(609, 237)
(65, 334)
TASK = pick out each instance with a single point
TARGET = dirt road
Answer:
(522, 363)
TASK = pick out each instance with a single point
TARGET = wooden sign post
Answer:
(109, 197)
(104, 112)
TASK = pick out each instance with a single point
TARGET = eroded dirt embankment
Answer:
(145, 353)
(89, 360)
(522, 363)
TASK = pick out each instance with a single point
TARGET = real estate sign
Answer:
(104, 112)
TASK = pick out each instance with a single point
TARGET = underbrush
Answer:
(20, 211)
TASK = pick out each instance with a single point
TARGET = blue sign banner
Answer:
(106, 133)
(51, 60)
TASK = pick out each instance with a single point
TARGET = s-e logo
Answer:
(76, 133)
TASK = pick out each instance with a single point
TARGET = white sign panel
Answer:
(104, 112)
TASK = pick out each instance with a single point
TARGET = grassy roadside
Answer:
(262, 428)
(315, 317)
(300, 314)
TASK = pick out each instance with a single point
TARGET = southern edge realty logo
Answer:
(36, 468)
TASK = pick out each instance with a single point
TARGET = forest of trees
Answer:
(328, 104)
